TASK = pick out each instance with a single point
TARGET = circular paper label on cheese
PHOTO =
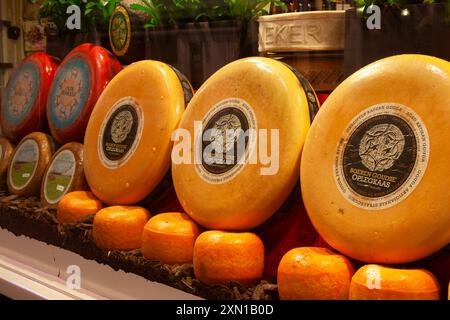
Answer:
(382, 156)
(227, 139)
(120, 31)
(21, 93)
(120, 133)
(59, 176)
(24, 164)
(69, 93)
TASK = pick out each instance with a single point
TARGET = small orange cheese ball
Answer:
(76, 205)
(221, 257)
(375, 282)
(169, 238)
(119, 227)
(314, 274)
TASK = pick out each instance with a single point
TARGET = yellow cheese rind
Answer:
(7, 149)
(278, 102)
(156, 89)
(418, 224)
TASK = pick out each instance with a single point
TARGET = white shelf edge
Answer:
(31, 269)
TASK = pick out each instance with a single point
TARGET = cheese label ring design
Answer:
(382, 156)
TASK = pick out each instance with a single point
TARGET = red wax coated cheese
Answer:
(78, 83)
(23, 104)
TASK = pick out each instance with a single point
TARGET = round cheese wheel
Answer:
(128, 138)
(375, 282)
(119, 227)
(76, 206)
(79, 81)
(64, 174)
(169, 238)
(127, 33)
(309, 273)
(23, 106)
(222, 257)
(237, 156)
(373, 172)
(6, 151)
(28, 164)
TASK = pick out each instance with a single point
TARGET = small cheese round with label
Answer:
(23, 107)
(78, 82)
(6, 151)
(128, 138)
(374, 167)
(28, 164)
(64, 174)
(237, 153)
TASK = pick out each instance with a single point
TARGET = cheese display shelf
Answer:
(26, 217)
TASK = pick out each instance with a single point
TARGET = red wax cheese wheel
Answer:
(78, 82)
(64, 174)
(237, 155)
(314, 274)
(6, 151)
(25, 98)
(373, 166)
(28, 164)
(128, 138)
(374, 282)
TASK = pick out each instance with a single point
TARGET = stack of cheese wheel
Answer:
(23, 106)
(78, 83)
(64, 174)
(374, 167)
(28, 164)
(237, 157)
(128, 138)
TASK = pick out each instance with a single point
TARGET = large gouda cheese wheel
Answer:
(78, 82)
(23, 106)
(128, 138)
(64, 174)
(28, 164)
(374, 172)
(225, 176)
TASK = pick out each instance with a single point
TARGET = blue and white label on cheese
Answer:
(69, 92)
(21, 93)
